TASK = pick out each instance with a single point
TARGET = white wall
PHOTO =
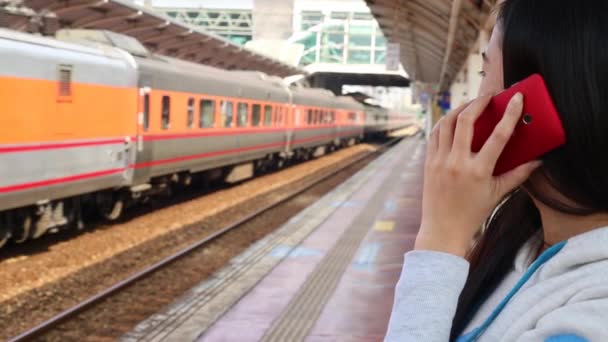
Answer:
(466, 84)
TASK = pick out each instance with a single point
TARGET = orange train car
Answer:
(92, 119)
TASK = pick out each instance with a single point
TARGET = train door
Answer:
(145, 150)
(293, 119)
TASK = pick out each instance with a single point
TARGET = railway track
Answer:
(140, 276)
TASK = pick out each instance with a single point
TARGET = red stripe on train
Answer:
(29, 148)
(56, 181)
(41, 147)
(84, 176)
(231, 151)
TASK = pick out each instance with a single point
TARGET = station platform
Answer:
(327, 275)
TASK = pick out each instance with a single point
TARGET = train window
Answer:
(243, 110)
(65, 81)
(166, 112)
(227, 113)
(267, 115)
(317, 116)
(256, 113)
(333, 117)
(352, 117)
(207, 113)
(190, 121)
(310, 117)
(146, 122)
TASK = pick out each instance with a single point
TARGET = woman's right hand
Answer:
(460, 190)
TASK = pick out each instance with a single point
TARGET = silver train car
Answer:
(91, 119)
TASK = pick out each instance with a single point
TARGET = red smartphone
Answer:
(538, 131)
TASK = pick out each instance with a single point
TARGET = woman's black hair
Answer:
(567, 43)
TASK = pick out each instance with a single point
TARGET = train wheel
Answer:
(280, 163)
(73, 214)
(5, 230)
(5, 234)
(110, 205)
(23, 227)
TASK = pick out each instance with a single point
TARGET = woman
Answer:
(539, 270)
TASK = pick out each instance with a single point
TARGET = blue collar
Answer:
(474, 334)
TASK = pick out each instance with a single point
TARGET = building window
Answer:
(256, 113)
(362, 16)
(243, 110)
(332, 54)
(207, 113)
(358, 40)
(380, 57)
(267, 115)
(166, 112)
(359, 56)
(339, 15)
(380, 40)
(146, 118)
(311, 18)
(190, 121)
(227, 108)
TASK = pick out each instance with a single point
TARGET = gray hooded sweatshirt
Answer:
(562, 296)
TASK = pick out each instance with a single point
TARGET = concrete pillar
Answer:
(466, 84)
(459, 89)
(272, 20)
(476, 63)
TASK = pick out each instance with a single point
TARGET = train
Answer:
(92, 119)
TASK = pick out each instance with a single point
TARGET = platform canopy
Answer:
(158, 33)
(435, 37)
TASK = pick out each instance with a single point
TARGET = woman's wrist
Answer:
(445, 244)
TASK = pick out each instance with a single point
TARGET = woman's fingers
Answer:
(433, 143)
(446, 134)
(463, 136)
(491, 150)
(516, 177)
(446, 131)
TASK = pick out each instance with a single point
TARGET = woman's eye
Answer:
(481, 73)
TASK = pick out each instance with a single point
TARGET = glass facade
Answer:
(340, 37)
(332, 35)
(235, 25)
